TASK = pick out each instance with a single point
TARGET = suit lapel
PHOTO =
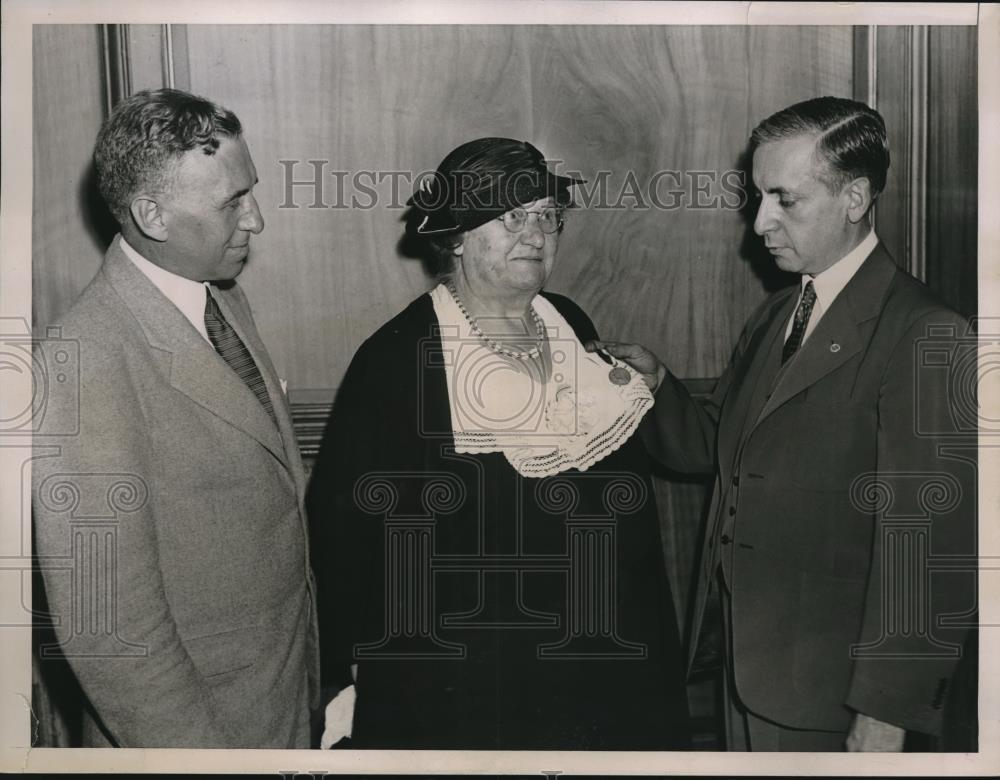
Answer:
(839, 336)
(749, 389)
(195, 368)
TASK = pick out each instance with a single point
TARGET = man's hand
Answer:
(636, 356)
(873, 736)
(339, 720)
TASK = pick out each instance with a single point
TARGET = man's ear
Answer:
(148, 217)
(859, 199)
(459, 247)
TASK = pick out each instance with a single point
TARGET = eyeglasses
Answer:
(549, 219)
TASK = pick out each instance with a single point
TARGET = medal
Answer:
(619, 376)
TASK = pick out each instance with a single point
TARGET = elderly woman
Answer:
(486, 540)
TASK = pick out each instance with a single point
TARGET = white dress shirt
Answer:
(186, 294)
(830, 282)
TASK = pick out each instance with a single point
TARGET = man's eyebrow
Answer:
(240, 193)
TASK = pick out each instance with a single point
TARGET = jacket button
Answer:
(725, 539)
(736, 481)
(732, 511)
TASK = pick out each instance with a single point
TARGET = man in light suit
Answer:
(839, 469)
(187, 613)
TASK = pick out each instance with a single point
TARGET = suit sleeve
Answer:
(682, 432)
(115, 625)
(929, 469)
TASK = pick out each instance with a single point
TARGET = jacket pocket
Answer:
(224, 652)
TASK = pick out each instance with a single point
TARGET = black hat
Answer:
(481, 180)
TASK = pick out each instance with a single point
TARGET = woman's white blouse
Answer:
(573, 420)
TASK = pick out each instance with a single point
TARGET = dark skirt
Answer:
(530, 614)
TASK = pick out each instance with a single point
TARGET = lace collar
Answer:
(575, 418)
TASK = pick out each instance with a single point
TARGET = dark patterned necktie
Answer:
(801, 321)
(235, 353)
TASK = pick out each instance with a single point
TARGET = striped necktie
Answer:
(801, 321)
(227, 343)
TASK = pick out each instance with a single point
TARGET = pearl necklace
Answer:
(494, 345)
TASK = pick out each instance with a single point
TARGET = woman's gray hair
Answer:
(442, 260)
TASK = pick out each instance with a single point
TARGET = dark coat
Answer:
(485, 658)
(822, 471)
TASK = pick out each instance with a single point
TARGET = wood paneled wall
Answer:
(625, 100)
(619, 105)
(923, 80)
(69, 228)
(952, 167)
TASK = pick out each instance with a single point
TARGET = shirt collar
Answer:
(830, 282)
(186, 294)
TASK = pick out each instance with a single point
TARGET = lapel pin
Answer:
(834, 346)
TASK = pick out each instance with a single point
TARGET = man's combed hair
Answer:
(146, 133)
(851, 138)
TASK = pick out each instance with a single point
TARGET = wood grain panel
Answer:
(625, 100)
(647, 100)
(952, 167)
(69, 223)
(892, 211)
(364, 99)
(639, 270)
(146, 55)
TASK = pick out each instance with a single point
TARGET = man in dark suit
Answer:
(170, 525)
(840, 476)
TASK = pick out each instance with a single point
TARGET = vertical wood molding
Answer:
(953, 148)
(918, 151)
(899, 71)
(872, 76)
(143, 56)
(865, 73)
(866, 78)
(116, 57)
(167, 55)
(180, 62)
